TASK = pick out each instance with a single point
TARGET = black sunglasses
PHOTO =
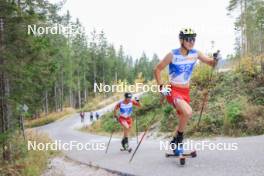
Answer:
(189, 39)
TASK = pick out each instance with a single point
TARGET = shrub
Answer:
(169, 120)
(258, 96)
(27, 162)
(233, 111)
(254, 119)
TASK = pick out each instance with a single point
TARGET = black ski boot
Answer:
(176, 144)
(124, 143)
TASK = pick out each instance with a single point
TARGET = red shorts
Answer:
(125, 120)
(178, 93)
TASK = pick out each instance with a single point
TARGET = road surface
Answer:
(247, 160)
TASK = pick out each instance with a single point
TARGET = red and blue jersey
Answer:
(181, 67)
(126, 109)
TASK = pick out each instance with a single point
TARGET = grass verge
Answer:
(27, 162)
(48, 119)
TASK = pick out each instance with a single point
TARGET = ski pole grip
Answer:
(216, 55)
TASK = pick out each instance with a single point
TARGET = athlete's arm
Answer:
(206, 59)
(116, 108)
(135, 103)
(161, 65)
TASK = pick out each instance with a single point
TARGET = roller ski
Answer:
(178, 152)
(127, 149)
(191, 154)
(125, 146)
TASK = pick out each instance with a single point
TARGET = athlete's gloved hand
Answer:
(216, 57)
(165, 91)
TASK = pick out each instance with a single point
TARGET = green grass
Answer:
(100, 101)
(147, 114)
(27, 162)
(49, 118)
(231, 109)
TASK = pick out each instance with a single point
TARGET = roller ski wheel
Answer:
(129, 150)
(193, 154)
(182, 160)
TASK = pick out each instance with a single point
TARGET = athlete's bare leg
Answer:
(185, 113)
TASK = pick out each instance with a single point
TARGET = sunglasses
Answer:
(189, 39)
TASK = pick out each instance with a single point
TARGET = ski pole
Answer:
(137, 129)
(145, 132)
(209, 82)
(137, 99)
(205, 97)
(110, 139)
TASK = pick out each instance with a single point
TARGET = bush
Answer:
(254, 119)
(227, 111)
(27, 162)
(109, 124)
(169, 120)
(145, 115)
(247, 66)
(234, 112)
(258, 96)
(201, 75)
(48, 119)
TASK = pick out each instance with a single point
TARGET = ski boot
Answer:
(125, 145)
(179, 150)
(177, 145)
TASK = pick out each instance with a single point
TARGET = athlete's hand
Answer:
(116, 117)
(216, 57)
(137, 99)
(165, 91)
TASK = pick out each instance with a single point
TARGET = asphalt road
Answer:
(247, 160)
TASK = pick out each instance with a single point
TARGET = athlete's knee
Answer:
(126, 127)
(188, 113)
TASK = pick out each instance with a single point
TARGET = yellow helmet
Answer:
(187, 32)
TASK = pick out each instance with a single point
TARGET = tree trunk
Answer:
(262, 64)
(5, 111)
(5, 108)
(116, 77)
(46, 103)
(260, 42)
(85, 88)
(62, 91)
(94, 70)
(79, 92)
(71, 97)
(245, 28)
(55, 97)
(242, 28)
